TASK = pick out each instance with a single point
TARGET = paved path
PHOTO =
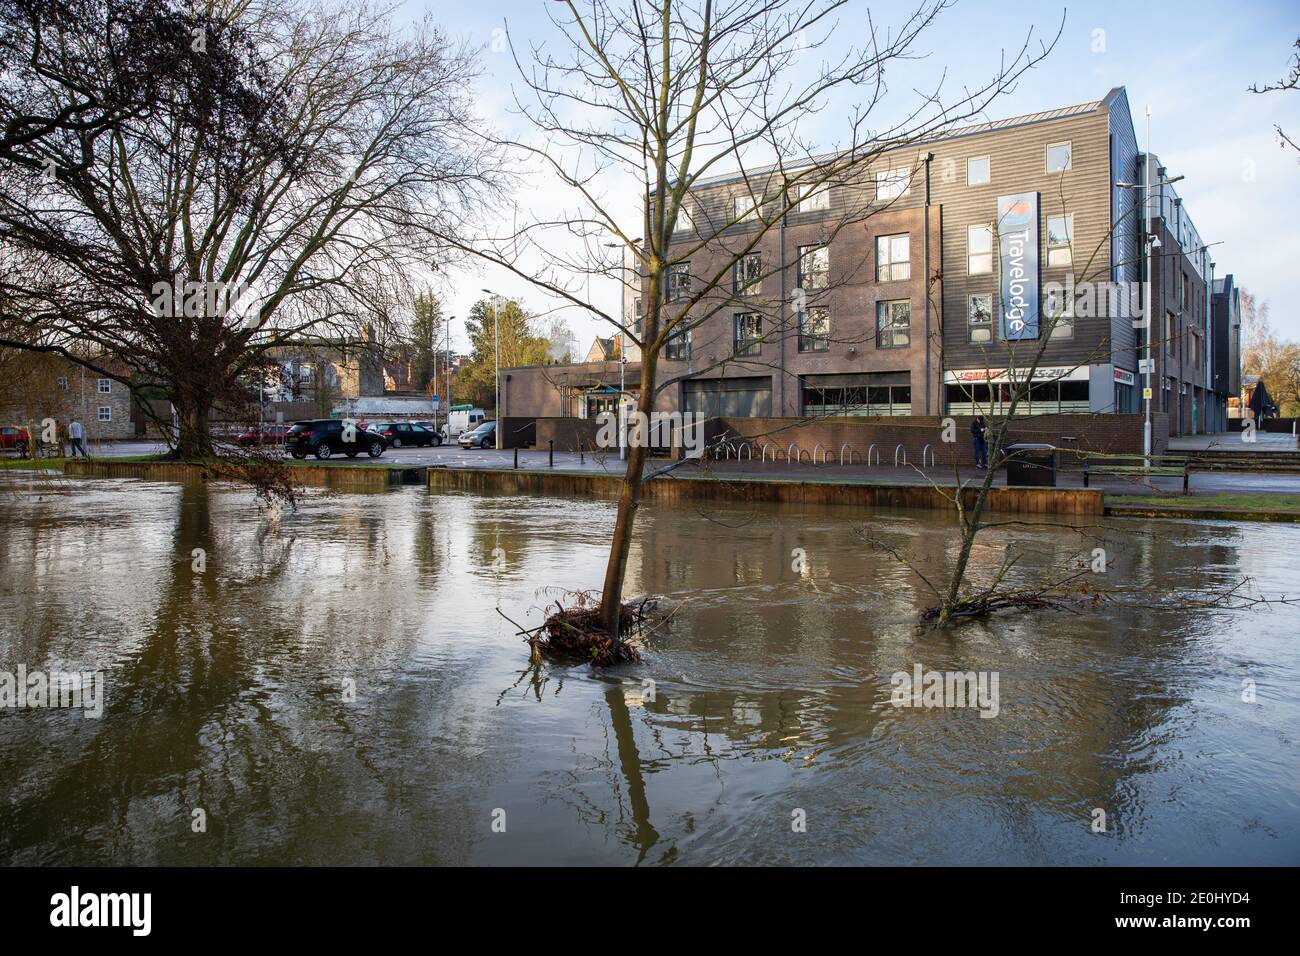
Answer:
(452, 456)
(1231, 441)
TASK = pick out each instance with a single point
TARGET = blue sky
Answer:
(1190, 62)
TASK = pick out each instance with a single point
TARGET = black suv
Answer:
(325, 437)
(407, 433)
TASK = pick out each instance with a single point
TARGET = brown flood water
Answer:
(768, 702)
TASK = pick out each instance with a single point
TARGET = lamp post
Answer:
(446, 365)
(622, 350)
(496, 328)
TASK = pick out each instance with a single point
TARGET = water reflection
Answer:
(337, 687)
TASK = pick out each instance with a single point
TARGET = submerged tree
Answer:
(299, 161)
(652, 98)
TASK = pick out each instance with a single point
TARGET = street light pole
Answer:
(1146, 299)
(496, 328)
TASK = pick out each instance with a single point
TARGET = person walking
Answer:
(978, 431)
(77, 436)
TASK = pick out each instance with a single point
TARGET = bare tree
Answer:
(283, 195)
(643, 101)
(1289, 82)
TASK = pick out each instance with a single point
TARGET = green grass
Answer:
(56, 464)
(1225, 501)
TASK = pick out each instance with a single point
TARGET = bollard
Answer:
(516, 458)
(550, 453)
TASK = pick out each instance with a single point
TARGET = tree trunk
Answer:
(195, 440)
(611, 596)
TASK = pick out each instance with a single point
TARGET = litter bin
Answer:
(1031, 464)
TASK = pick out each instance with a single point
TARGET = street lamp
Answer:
(446, 366)
(496, 328)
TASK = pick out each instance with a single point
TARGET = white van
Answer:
(462, 418)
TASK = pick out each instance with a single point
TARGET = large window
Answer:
(1058, 157)
(893, 258)
(685, 221)
(1059, 314)
(874, 393)
(978, 171)
(678, 346)
(815, 329)
(814, 197)
(1044, 398)
(979, 250)
(747, 275)
(679, 282)
(814, 267)
(892, 184)
(894, 324)
(1060, 235)
(748, 333)
(979, 317)
(745, 208)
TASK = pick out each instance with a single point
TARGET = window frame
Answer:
(814, 342)
(754, 286)
(104, 386)
(100, 411)
(810, 193)
(1066, 319)
(679, 291)
(802, 253)
(684, 211)
(890, 264)
(885, 307)
(1067, 246)
(902, 177)
(988, 169)
(987, 324)
(987, 227)
(745, 347)
(677, 347)
(1069, 157)
(753, 214)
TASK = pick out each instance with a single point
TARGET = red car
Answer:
(14, 438)
(265, 435)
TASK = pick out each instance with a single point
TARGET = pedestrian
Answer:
(978, 430)
(77, 436)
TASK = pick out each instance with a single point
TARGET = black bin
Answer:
(1031, 464)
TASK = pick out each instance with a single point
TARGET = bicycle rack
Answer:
(934, 461)
(795, 448)
(843, 449)
(870, 449)
(825, 454)
(899, 448)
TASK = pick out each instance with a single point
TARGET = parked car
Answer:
(326, 437)
(398, 434)
(433, 427)
(263, 435)
(484, 436)
(460, 419)
(15, 438)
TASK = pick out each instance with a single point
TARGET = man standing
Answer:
(977, 430)
(77, 435)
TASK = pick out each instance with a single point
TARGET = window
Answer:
(1170, 334)
(979, 250)
(815, 329)
(978, 171)
(893, 258)
(748, 333)
(892, 184)
(747, 275)
(745, 208)
(679, 282)
(104, 386)
(63, 383)
(1060, 234)
(979, 316)
(1059, 314)
(685, 221)
(894, 324)
(1058, 157)
(814, 198)
(678, 346)
(814, 267)
(105, 413)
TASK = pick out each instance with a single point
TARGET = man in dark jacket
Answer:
(977, 430)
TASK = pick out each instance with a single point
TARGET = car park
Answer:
(401, 434)
(327, 437)
(484, 436)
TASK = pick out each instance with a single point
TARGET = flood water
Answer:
(758, 730)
